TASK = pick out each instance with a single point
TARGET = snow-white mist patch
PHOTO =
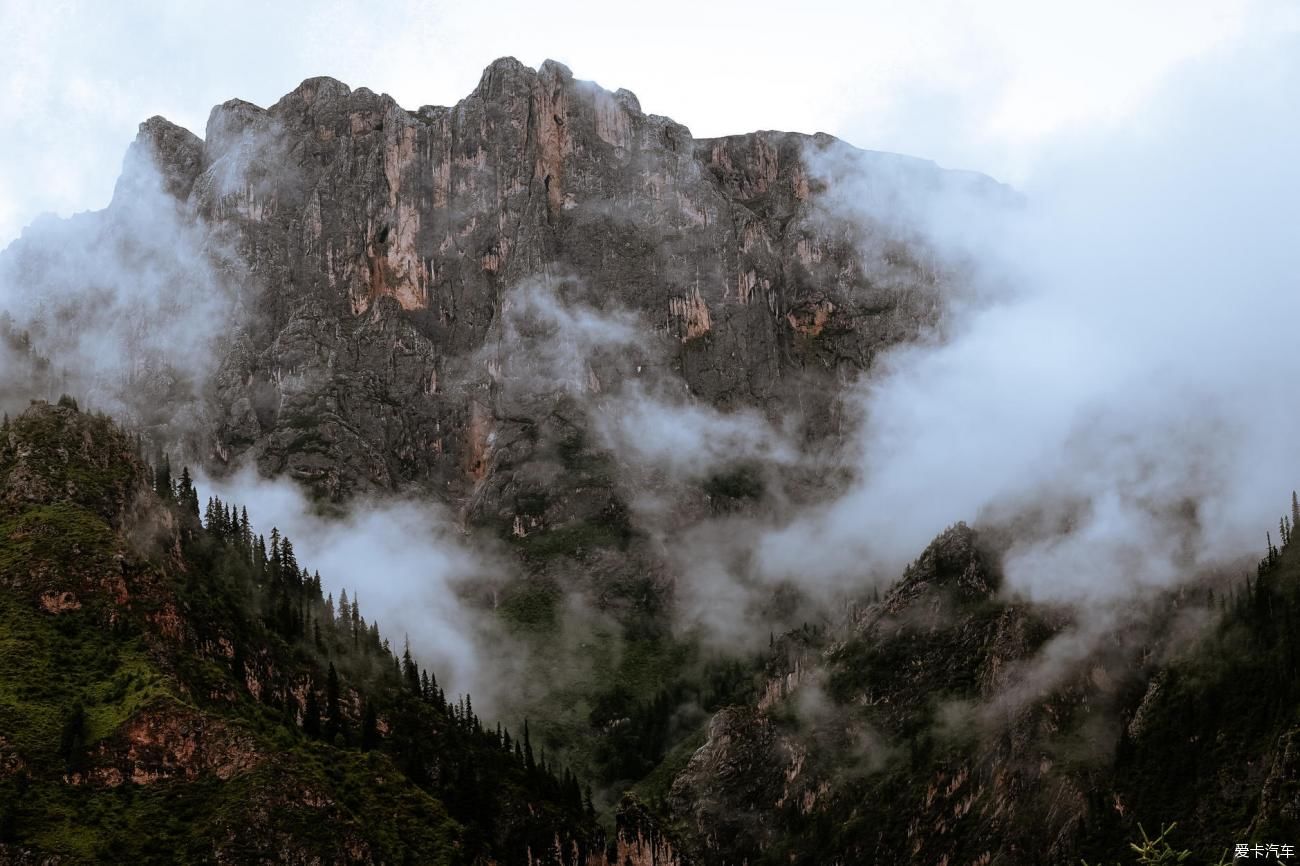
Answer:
(403, 561)
(549, 340)
(1133, 382)
(685, 439)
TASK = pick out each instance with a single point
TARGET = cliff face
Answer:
(382, 247)
(453, 301)
(449, 300)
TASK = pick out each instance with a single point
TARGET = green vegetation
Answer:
(1158, 852)
(577, 539)
(530, 604)
(1212, 726)
(173, 685)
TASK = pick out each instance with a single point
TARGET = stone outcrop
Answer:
(380, 245)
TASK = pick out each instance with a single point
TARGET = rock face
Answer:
(389, 298)
(876, 724)
(383, 244)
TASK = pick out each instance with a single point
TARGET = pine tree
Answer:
(530, 764)
(369, 728)
(333, 712)
(289, 563)
(186, 495)
(274, 562)
(311, 715)
(162, 476)
(260, 563)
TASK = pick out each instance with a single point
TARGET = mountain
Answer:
(376, 247)
(617, 356)
(489, 305)
(909, 733)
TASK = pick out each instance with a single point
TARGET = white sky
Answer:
(982, 84)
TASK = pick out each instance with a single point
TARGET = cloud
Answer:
(1124, 368)
(684, 439)
(551, 341)
(406, 562)
(126, 303)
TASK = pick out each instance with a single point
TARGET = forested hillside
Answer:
(177, 688)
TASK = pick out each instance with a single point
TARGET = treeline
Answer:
(1235, 692)
(25, 371)
(364, 694)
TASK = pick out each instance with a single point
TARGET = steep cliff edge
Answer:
(379, 248)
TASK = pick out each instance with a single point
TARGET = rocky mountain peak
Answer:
(954, 560)
(321, 89)
(55, 454)
(344, 207)
(176, 152)
(228, 123)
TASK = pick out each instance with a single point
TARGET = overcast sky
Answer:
(983, 85)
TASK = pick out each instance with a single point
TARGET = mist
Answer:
(1117, 390)
(126, 304)
(406, 562)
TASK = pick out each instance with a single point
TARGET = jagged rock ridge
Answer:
(382, 244)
